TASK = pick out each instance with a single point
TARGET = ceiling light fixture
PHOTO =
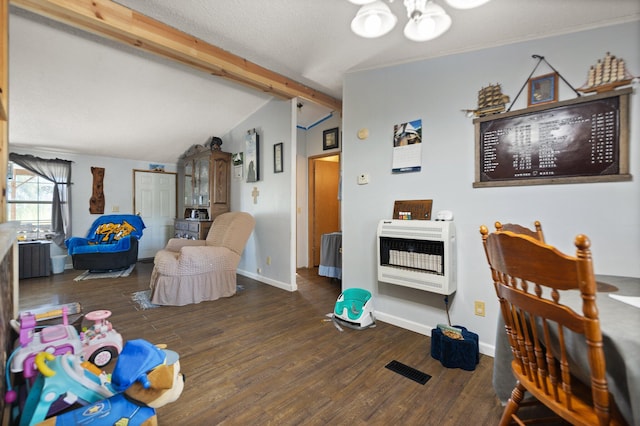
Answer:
(427, 20)
(374, 19)
(466, 4)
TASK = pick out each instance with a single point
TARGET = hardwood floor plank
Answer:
(268, 356)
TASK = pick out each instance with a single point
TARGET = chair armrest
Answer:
(175, 244)
(75, 242)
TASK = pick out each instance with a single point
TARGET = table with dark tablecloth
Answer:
(620, 326)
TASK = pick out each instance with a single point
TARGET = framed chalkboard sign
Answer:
(580, 140)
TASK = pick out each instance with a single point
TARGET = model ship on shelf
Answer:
(607, 74)
(491, 100)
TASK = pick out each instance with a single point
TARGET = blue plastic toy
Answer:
(62, 376)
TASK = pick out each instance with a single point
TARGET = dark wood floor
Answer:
(266, 356)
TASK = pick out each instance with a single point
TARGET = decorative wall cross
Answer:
(255, 194)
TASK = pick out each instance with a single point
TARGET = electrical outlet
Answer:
(259, 270)
(115, 209)
(478, 308)
(363, 178)
(268, 260)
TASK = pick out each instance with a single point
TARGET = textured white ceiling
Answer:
(78, 93)
(310, 40)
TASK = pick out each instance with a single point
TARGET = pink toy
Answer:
(100, 342)
(56, 340)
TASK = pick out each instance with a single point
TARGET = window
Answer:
(29, 201)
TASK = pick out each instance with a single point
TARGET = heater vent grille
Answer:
(418, 254)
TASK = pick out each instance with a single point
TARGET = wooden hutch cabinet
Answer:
(220, 188)
(204, 186)
(192, 229)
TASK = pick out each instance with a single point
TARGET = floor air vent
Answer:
(408, 372)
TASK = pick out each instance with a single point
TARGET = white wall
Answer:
(302, 200)
(274, 211)
(310, 145)
(436, 91)
(314, 136)
(118, 186)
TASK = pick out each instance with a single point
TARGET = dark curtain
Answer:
(58, 172)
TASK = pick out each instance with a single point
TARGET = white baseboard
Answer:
(263, 279)
(483, 348)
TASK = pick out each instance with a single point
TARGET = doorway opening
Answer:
(324, 201)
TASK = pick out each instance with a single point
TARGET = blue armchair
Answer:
(111, 244)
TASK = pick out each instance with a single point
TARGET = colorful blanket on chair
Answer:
(108, 234)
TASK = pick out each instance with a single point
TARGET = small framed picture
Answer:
(543, 89)
(237, 159)
(277, 158)
(330, 139)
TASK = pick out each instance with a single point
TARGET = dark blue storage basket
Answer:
(454, 353)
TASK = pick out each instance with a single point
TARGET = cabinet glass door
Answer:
(202, 165)
(188, 184)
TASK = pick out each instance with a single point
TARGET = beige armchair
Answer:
(192, 271)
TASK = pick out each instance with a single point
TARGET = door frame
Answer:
(311, 199)
(135, 171)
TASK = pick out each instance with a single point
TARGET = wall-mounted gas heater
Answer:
(418, 254)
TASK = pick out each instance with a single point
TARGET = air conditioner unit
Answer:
(417, 253)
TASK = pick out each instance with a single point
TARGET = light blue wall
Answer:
(302, 200)
(310, 145)
(436, 91)
(274, 211)
(315, 134)
(282, 209)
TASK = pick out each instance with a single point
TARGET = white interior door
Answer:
(155, 201)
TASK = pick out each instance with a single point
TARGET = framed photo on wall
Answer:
(252, 157)
(330, 139)
(543, 89)
(277, 158)
(238, 163)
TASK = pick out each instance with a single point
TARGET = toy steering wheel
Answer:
(98, 315)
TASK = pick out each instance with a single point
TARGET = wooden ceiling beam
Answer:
(114, 21)
(4, 62)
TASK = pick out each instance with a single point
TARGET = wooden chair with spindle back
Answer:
(528, 277)
(519, 229)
